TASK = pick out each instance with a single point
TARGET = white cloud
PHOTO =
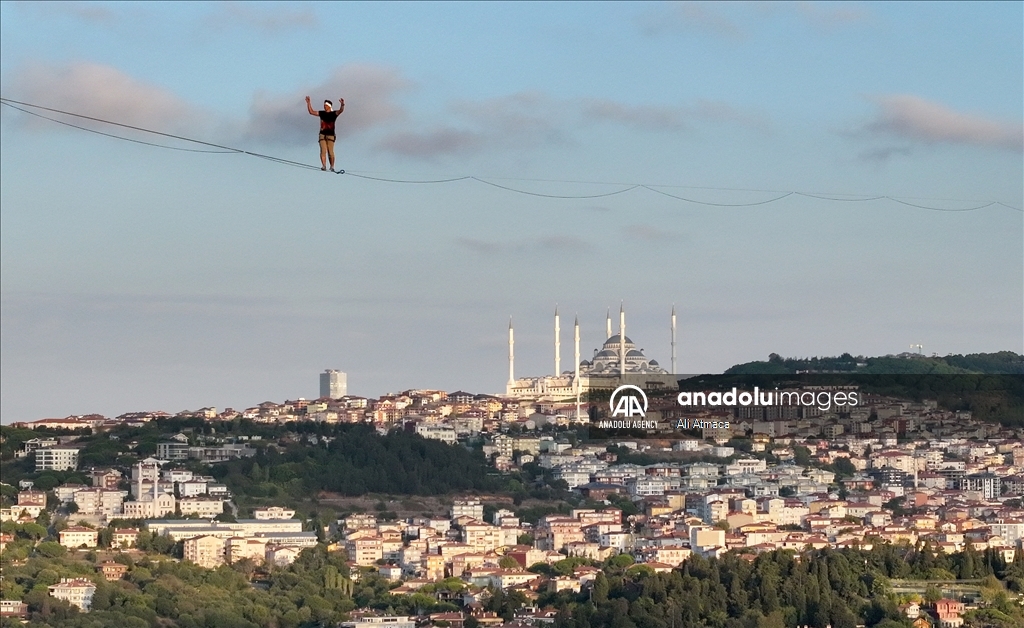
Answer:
(913, 118)
(104, 92)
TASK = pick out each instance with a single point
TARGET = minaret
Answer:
(558, 346)
(511, 357)
(608, 325)
(576, 379)
(674, 340)
(622, 340)
(576, 350)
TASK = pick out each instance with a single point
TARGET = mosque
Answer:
(618, 361)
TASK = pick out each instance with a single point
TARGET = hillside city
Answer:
(890, 472)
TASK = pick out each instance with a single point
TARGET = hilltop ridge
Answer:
(999, 363)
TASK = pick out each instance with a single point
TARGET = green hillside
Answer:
(990, 385)
(1001, 363)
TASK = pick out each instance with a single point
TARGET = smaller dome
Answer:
(605, 354)
(653, 363)
(584, 363)
(633, 353)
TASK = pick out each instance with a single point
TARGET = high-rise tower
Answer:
(333, 384)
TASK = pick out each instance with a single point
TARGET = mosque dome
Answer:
(614, 341)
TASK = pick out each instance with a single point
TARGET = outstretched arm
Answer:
(341, 105)
(310, 107)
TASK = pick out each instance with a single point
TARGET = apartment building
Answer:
(56, 458)
(78, 536)
(205, 551)
(75, 591)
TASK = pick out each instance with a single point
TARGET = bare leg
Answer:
(323, 154)
(330, 152)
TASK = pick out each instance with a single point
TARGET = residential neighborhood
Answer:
(894, 472)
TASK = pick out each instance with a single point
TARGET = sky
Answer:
(136, 278)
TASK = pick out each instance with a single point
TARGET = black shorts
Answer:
(326, 138)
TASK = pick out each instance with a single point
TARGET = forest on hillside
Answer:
(842, 588)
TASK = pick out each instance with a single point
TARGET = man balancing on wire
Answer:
(327, 118)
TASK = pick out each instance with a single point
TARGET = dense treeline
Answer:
(358, 461)
(990, 397)
(841, 588)
(316, 590)
(1000, 363)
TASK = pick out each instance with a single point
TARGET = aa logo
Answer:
(628, 401)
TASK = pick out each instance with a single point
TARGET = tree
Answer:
(51, 549)
(33, 531)
(844, 468)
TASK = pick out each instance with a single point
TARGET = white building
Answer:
(468, 508)
(99, 501)
(184, 529)
(387, 621)
(333, 384)
(436, 431)
(177, 475)
(78, 536)
(163, 505)
(203, 506)
(193, 487)
(273, 512)
(56, 459)
(281, 555)
(76, 591)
